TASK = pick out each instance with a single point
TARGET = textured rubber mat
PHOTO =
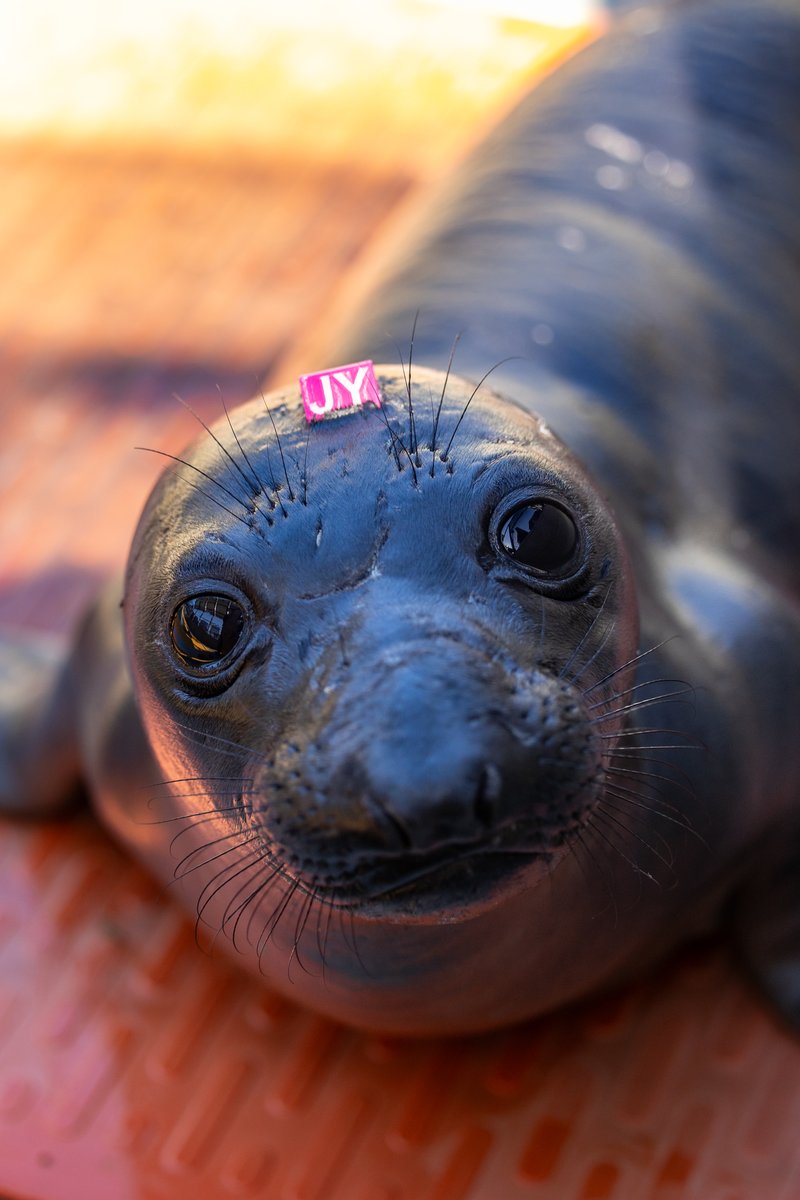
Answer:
(132, 1067)
(135, 1067)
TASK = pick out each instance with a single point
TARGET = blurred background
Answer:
(308, 77)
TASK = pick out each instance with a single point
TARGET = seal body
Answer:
(442, 714)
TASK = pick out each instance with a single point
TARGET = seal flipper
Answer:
(766, 923)
(39, 757)
(59, 705)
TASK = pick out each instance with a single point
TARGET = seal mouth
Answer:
(440, 880)
(454, 874)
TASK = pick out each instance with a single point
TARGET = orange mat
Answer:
(132, 1067)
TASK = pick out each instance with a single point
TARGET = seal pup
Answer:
(436, 722)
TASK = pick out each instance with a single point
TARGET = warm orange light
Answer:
(264, 75)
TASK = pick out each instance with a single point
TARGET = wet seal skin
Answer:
(446, 712)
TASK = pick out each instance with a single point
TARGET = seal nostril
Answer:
(405, 839)
(488, 793)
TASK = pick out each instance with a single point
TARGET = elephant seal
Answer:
(458, 708)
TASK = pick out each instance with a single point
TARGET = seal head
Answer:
(380, 663)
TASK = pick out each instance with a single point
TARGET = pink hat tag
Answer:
(327, 393)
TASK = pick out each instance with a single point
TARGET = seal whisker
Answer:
(635, 751)
(683, 785)
(398, 441)
(235, 751)
(304, 477)
(191, 816)
(203, 492)
(435, 427)
(233, 911)
(245, 791)
(664, 856)
(261, 889)
(219, 879)
(210, 793)
(326, 906)
(659, 809)
(644, 789)
(299, 929)
(351, 937)
(254, 861)
(412, 420)
(688, 740)
(239, 838)
(280, 448)
(272, 922)
(641, 756)
(652, 803)
(407, 384)
(253, 485)
(163, 783)
(203, 737)
(511, 357)
(230, 870)
(605, 836)
(243, 794)
(677, 697)
(256, 478)
(430, 406)
(275, 490)
(277, 913)
(214, 886)
(582, 642)
(636, 687)
(631, 662)
(576, 678)
(188, 829)
(601, 871)
(225, 490)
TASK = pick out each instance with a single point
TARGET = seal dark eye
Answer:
(205, 629)
(541, 536)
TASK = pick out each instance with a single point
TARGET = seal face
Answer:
(392, 672)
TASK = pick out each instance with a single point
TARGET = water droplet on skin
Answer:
(679, 174)
(656, 163)
(613, 179)
(614, 143)
(569, 237)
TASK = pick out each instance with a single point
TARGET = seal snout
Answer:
(435, 753)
